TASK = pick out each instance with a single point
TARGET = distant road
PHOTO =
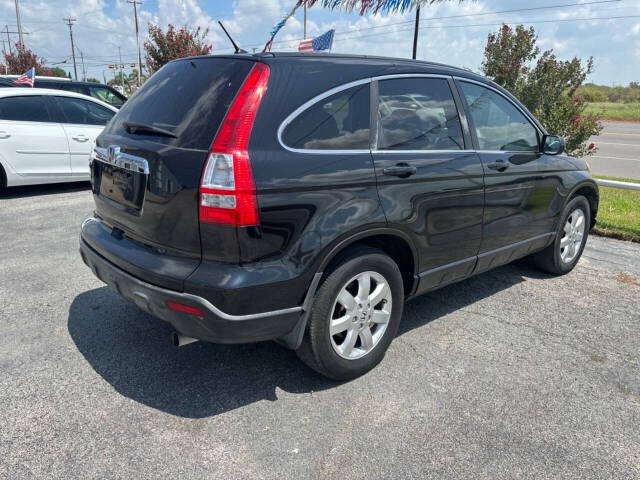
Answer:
(618, 151)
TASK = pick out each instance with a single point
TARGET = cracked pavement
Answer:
(510, 374)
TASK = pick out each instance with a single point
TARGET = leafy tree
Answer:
(23, 59)
(56, 72)
(546, 85)
(94, 80)
(162, 47)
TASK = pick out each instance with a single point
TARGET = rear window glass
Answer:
(187, 97)
(25, 109)
(338, 122)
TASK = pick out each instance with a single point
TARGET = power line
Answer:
(445, 17)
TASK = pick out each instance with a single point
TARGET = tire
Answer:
(3, 179)
(360, 352)
(557, 258)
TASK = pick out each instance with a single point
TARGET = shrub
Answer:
(162, 47)
(546, 85)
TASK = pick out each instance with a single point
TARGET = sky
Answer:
(453, 32)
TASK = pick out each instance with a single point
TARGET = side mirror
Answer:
(552, 145)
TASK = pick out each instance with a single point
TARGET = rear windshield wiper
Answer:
(141, 128)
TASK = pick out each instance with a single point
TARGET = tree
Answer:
(93, 80)
(162, 47)
(23, 59)
(55, 72)
(546, 85)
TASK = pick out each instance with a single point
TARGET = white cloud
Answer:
(103, 25)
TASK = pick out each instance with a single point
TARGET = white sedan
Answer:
(46, 135)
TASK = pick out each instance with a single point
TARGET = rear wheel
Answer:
(563, 254)
(356, 313)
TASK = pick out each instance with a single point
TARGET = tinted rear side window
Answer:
(30, 108)
(186, 97)
(70, 88)
(106, 95)
(338, 122)
(84, 112)
(418, 114)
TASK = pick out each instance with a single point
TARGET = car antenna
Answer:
(235, 46)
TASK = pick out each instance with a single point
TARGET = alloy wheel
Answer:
(360, 315)
(573, 235)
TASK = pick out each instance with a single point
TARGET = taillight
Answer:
(227, 190)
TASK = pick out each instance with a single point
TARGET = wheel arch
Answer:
(589, 190)
(393, 242)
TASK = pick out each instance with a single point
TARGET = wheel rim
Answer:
(360, 315)
(572, 237)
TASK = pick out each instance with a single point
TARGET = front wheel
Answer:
(563, 254)
(356, 313)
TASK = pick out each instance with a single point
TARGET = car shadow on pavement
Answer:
(41, 190)
(131, 350)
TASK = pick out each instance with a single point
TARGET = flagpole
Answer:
(304, 35)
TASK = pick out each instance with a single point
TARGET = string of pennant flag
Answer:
(363, 6)
(368, 6)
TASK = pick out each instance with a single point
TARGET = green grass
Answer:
(619, 212)
(615, 111)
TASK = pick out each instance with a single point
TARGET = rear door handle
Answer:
(4, 135)
(400, 170)
(80, 138)
(499, 165)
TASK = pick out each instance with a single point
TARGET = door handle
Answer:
(80, 138)
(499, 165)
(4, 135)
(400, 170)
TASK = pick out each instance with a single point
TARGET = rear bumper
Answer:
(215, 326)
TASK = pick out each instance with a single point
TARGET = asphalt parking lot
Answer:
(511, 374)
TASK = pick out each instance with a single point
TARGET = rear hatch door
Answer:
(148, 162)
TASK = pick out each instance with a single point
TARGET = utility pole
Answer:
(69, 22)
(415, 32)
(84, 71)
(4, 54)
(135, 14)
(21, 39)
(121, 72)
(6, 30)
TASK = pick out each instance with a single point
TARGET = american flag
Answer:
(323, 42)
(26, 78)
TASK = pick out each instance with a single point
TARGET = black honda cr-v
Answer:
(304, 198)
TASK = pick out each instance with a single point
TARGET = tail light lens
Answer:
(227, 190)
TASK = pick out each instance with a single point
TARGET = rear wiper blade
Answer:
(141, 128)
